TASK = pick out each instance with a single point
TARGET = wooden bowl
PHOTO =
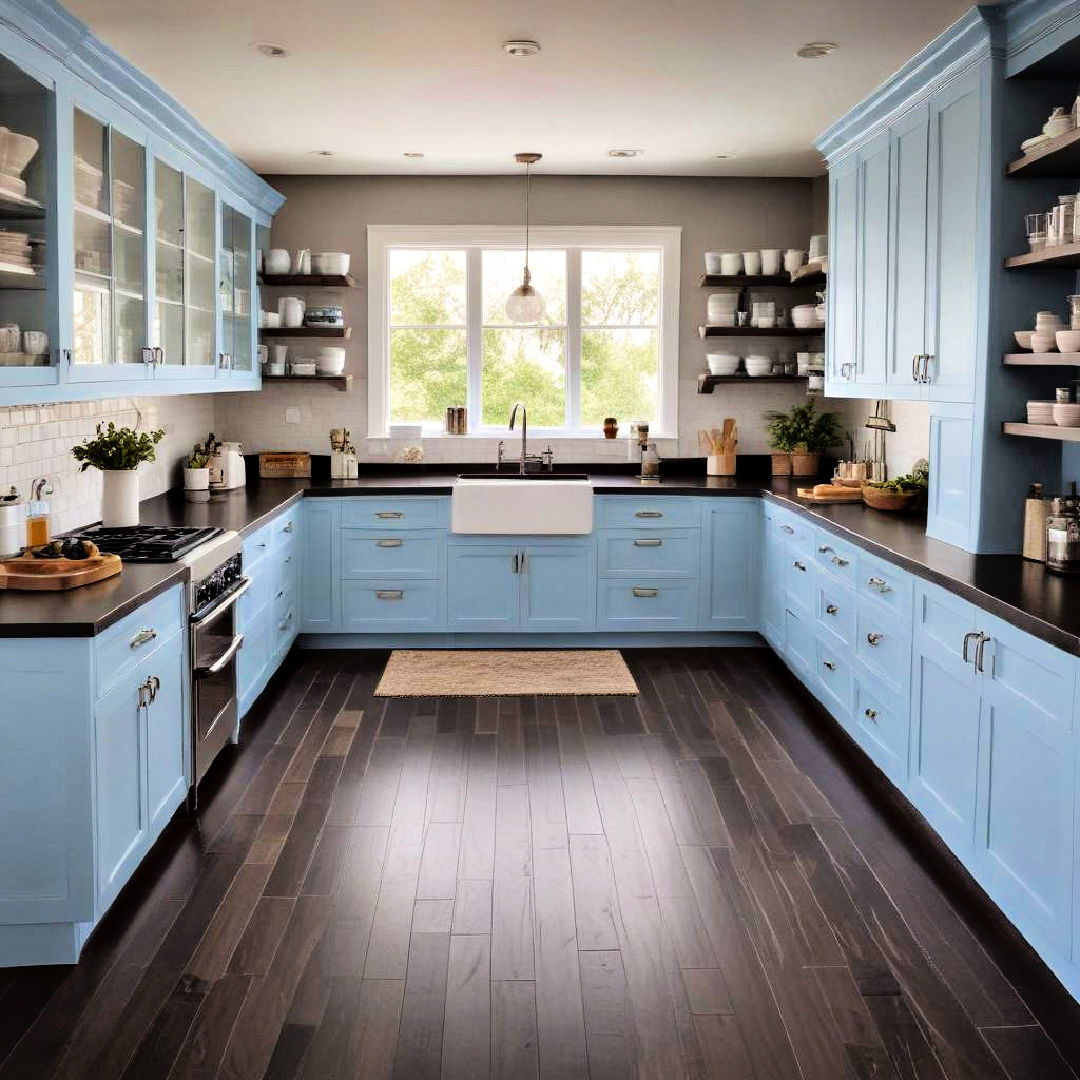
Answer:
(880, 499)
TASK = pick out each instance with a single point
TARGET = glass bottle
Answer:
(38, 517)
(650, 462)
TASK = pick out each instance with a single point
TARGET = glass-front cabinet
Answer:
(237, 286)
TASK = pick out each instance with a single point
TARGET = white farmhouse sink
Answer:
(514, 506)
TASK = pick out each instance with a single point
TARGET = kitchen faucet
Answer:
(522, 467)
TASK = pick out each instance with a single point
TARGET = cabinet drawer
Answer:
(391, 604)
(880, 720)
(883, 643)
(786, 525)
(834, 610)
(653, 512)
(405, 513)
(285, 622)
(832, 669)
(798, 641)
(643, 551)
(285, 528)
(256, 547)
(285, 567)
(375, 554)
(884, 582)
(258, 592)
(798, 571)
(647, 604)
(137, 635)
(835, 556)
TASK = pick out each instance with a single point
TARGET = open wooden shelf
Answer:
(758, 331)
(14, 276)
(1059, 157)
(338, 382)
(306, 331)
(1042, 359)
(309, 281)
(20, 208)
(1064, 255)
(706, 382)
(1043, 431)
(772, 281)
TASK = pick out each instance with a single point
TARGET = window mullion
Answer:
(474, 335)
(573, 339)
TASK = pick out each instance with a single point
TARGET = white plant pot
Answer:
(196, 479)
(120, 497)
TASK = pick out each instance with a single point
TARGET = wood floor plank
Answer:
(514, 1052)
(608, 1019)
(378, 790)
(467, 1034)
(420, 1035)
(472, 907)
(358, 885)
(449, 772)
(211, 959)
(596, 904)
(432, 916)
(1026, 1053)
(512, 898)
(256, 947)
(707, 992)
(200, 1056)
(388, 945)
(725, 1051)
(477, 836)
(439, 863)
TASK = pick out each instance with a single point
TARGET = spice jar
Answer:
(611, 427)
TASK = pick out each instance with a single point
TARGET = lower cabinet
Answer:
(731, 529)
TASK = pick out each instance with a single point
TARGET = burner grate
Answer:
(150, 543)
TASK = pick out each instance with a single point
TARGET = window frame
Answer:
(473, 239)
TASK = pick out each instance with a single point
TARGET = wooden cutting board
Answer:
(284, 464)
(54, 575)
(854, 496)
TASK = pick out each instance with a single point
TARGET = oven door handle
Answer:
(227, 602)
(222, 660)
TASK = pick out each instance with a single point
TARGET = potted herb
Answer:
(197, 470)
(118, 453)
(899, 493)
(802, 435)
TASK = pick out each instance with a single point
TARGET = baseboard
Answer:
(658, 640)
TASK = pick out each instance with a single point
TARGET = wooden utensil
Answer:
(721, 457)
(40, 575)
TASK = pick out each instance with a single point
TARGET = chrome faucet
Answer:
(524, 433)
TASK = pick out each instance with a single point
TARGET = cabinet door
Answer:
(908, 259)
(952, 479)
(558, 587)
(166, 734)
(842, 296)
(483, 588)
(252, 659)
(953, 275)
(121, 816)
(732, 536)
(873, 246)
(945, 706)
(235, 289)
(321, 562)
(772, 584)
(1025, 823)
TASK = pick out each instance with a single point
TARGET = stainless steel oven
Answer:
(214, 645)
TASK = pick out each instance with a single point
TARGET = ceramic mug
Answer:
(731, 262)
(275, 368)
(819, 247)
(301, 261)
(752, 262)
(277, 261)
(771, 260)
(793, 259)
(9, 337)
(291, 309)
(35, 342)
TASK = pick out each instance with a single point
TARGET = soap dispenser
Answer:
(38, 517)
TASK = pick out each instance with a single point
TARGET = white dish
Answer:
(16, 151)
(330, 262)
(1023, 338)
(1068, 341)
(712, 262)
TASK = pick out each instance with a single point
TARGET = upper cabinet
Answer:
(126, 231)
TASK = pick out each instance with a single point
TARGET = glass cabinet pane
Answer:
(199, 250)
(93, 341)
(128, 172)
(25, 108)
(235, 287)
(169, 253)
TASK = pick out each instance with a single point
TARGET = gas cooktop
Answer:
(150, 543)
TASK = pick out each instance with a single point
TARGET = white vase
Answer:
(196, 479)
(119, 497)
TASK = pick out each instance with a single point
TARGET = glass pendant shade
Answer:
(525, 304)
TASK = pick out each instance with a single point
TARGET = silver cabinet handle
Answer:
(286, 622)
(220, 663)
(389, 514)
(289, 528)
(389, 543)
(879, 584)
(148, 691)
(979, 650)
(287, 560)
(824, 549)
(870, 714)
(648, 543)
(523, 563)
(788, 529)
(924, 371)
(967, 637)
(390, 594)
(515, 564)
(280, 595)
(915, 363)
(831, 609)
(649, 514)
(263, 545)
(836, 560)
(799, 565)
(829, 665)
(638, 591)
(142, 637)
(874, 638)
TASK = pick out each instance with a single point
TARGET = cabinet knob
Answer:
(870, 714)
(838, 561)
(799, 565)
(879, 584)
(874, 638)
(788, 529)
(142, 637)
(824, 549)
(645, 592)
(289, 528)
(831, 609)
(829, 665)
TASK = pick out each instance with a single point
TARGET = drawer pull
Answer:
(829, 665)
(285, 623)
(831, 609)
(799, 565)
(879, 584)
(262, 545)
(645, 592)
(390, 594)
(148, 691)
(142, 637)
(870, 714)
(280, 595)
(288, 528)
(838, 561)
(874, 639)
(824, 549)
(788, 529)
(288, 559)
(389, 543)
(389, 514)
(648, 543)
(649, 513)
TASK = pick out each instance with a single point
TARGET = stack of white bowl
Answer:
(1040, 412)
(1044, 337)
(759, 365)
(720, 309)
(722, 363)
(1066, 414)
(805, 317)
(330, 360)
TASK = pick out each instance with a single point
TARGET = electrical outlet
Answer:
(293, 415)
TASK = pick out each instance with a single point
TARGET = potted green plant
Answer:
(197, 471)
(118, 453)
(780, 429)
(803, 435)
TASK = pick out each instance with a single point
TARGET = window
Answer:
(607, 344)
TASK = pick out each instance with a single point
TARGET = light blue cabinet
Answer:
(731, 530)
(872, 288)
(320, 603)
(558, 587)
(841, 324)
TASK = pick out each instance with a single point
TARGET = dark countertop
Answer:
(1018, 591)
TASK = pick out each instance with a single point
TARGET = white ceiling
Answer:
(684, 80)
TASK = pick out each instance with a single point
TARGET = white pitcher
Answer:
(291, 309)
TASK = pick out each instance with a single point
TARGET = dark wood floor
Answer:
(696, 882)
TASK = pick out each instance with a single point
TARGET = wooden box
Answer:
(284, 464)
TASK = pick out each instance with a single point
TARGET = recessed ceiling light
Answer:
(271, 49)
(814, 50)
(625, 153)
(523, 47)
(413, 154)
(322, 153)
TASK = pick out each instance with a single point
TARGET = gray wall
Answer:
(331, 213)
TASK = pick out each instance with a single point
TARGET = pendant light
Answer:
(525, 304)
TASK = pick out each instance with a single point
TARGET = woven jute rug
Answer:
(504, 672)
